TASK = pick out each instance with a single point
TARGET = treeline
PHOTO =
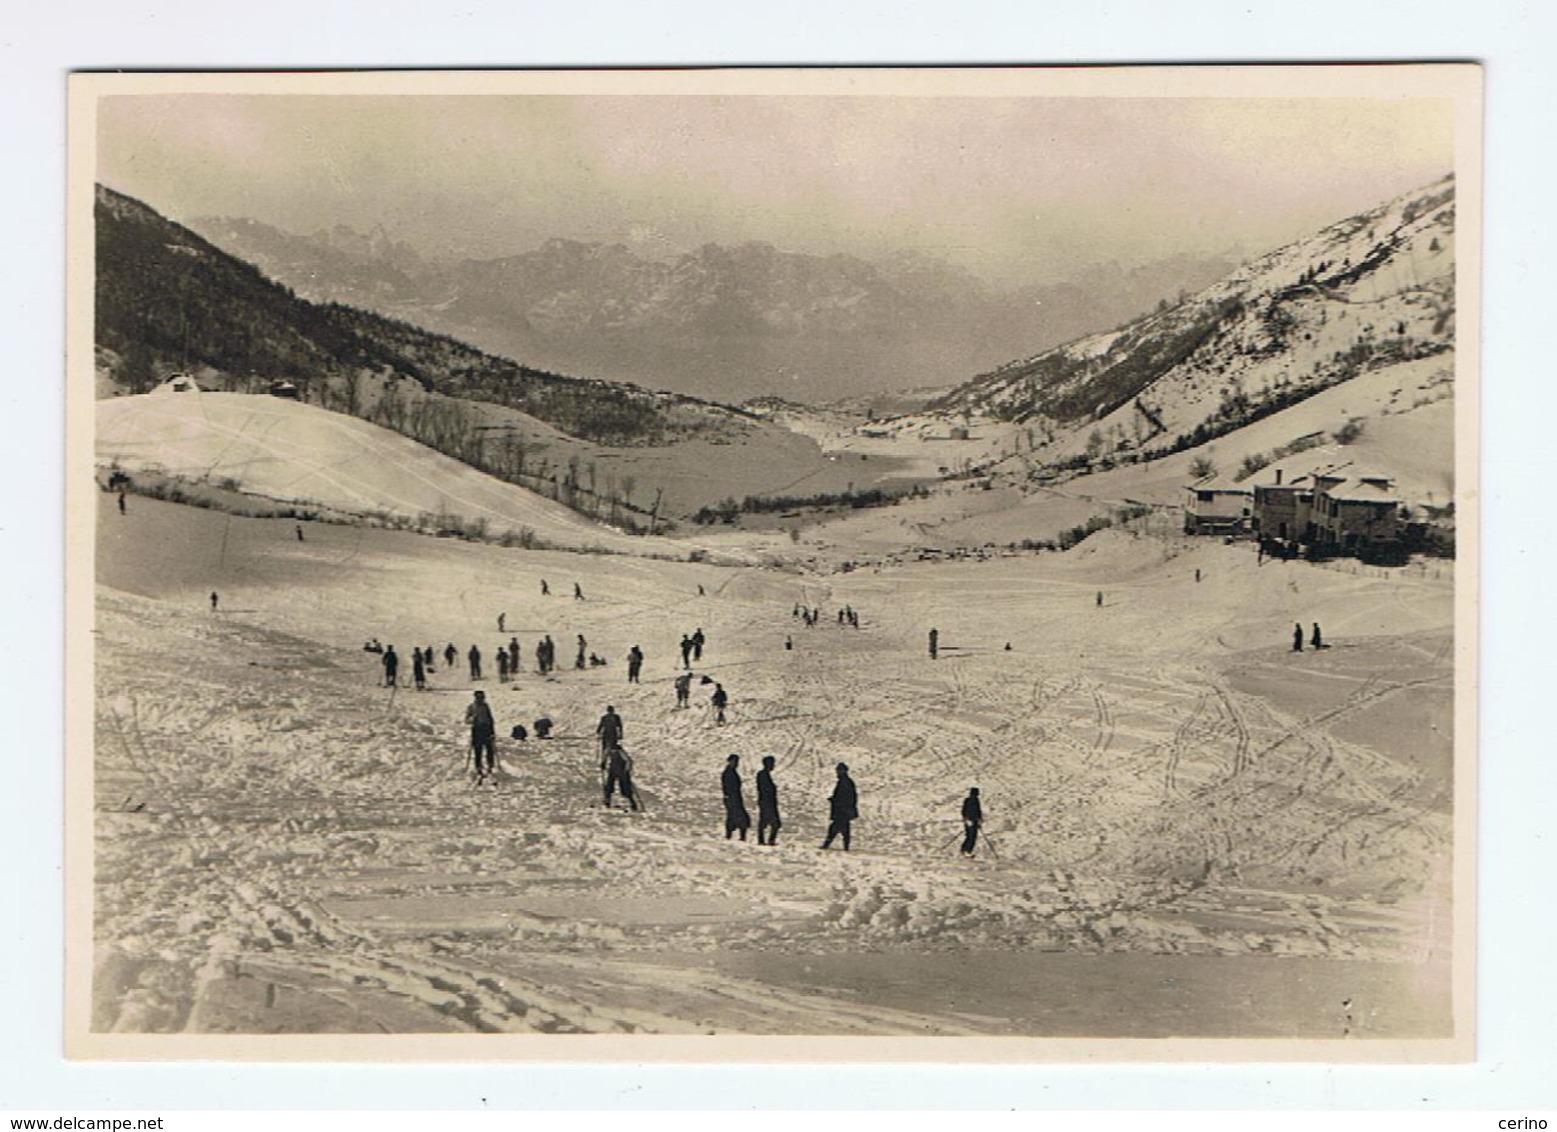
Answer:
(727, 510)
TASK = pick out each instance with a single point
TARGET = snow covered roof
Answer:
(1363, 493)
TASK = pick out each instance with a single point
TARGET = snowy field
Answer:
(1193, 830)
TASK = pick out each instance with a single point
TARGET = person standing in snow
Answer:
(450, 655)
(767, 804)
(843, 808)
(684, 690)
(1297, 637)
(418, 670)
(617, 767)
(483, 737)
(686, 651)
(1317, 640)
(972, 820)
(474, 657)
(502, 619)
(299, 529)
(609, 729)
(634, 664)
(698, 640)
(121, 503)
(935, 643)
(513, 656)
(213, 601)
(582, 660)
(736, 819)
(502, 666)
(719, 699)
(391, 666)
(545, 589)
(578, 592)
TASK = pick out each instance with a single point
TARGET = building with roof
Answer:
(1216, 509)
(1327, 511)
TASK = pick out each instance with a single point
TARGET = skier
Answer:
(502, 618)
(719, 699)
(843, 808)
(418, 670)
(474, 657)
(634, 664)
(580, 661)
(935, 643)
(609, 729)
(483, 737)
(1297, 637)
(551, 653)
(686, 651)
(578, 592)
(617, 767)
(1317, 640)
(450, 655)
(697, 643)
(391, 666)
(513, 656)
(502, 666)
(972, 819)
(736, 819)
(767, 804)
(545, 589)
(684, 690)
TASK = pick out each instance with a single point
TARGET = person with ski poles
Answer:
(609, 729)
(617, 767)
(972, 821)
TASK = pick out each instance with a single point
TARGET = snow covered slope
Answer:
(293, 452)
(1370, 292)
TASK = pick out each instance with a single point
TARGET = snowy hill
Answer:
(1370, 292)
(288, 451)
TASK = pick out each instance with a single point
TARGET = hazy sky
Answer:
(1016, 189)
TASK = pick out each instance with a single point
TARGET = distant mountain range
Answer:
(721, 322)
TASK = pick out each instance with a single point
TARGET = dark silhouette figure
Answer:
(121, 503)
(843, 808)
(483, 737)
(634, 664)
(450, 655)
(789, 643)
(1317, 640)
(972, 819)
(582, 660)
(213, 601)
(1100, 599)
(578, 592)
(545, 589)
(609, 729)
(551, 654)
(935, 643)
(697, 644)
(736, 819)
(700, 591)
(617, 767)
(543, 727)
(502, 666)
(391, 666)
(418, 670)
(513, 655)
(1197, 573)
(502, 621)
(719, 699)
(299, 528)
(768, 822)
(686, 651)
(684, 690)
(427, 658)
(474, 658)
(1297, 638)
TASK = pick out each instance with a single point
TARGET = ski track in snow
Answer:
(283, 845)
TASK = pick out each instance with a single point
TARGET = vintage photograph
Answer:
(984, 557)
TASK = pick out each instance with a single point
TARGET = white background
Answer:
(1517, 1068)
